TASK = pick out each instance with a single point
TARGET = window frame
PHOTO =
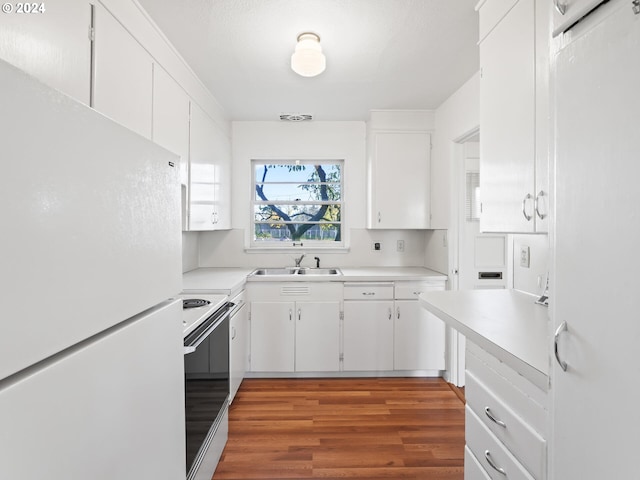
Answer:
(307, 245)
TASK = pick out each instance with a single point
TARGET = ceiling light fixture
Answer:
(308, 59)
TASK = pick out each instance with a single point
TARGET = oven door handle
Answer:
(191, 347)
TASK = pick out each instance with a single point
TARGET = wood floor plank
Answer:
(385, 428)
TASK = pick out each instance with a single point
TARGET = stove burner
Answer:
(194, 303)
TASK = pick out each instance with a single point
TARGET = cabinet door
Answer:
(419, 338)
(368, 336)
(399, 180)
(122, 75)
(507, 117)
(53, 46)
(238, 353)
(171, 118)
(209, 162)
(317, 336)
(597, 153)
(272, 336)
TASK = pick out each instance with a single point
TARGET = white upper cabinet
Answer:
(171, 107)
(514, 122)
(398, 180)
(123, 75)
(171, 118)
(568, 12)
(53, 46)
(209, 174)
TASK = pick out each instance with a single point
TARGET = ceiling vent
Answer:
(295, 117)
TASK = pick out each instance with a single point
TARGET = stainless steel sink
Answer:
(275, 271)
(319, 271)
(291, 271)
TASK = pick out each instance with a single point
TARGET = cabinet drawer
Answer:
(521, 440)
(491, 12)
(368, 291)
(518, 393)
(411, 290)
(472, 468)
(496, 460)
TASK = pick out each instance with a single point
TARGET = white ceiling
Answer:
(381, 54)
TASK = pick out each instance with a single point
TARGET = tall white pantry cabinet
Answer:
(595, 413)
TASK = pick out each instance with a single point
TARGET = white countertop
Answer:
(228, 281)
(506, 323)
(389, 274)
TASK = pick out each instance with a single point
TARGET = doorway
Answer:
(480, 260)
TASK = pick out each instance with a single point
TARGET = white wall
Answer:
(455, 118)
(532, 279)
(317, 140)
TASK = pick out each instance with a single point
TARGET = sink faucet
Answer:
(317, 259)
(298, 260)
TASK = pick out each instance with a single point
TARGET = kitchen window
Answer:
(297, 203)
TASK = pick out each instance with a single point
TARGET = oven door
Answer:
(206, 375)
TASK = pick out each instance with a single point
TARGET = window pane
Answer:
(269, 232)
(305, 192)
(297, 213)
(296, 201)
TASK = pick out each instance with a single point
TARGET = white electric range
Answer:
(195, 315)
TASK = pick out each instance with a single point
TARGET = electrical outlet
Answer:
(400, 246)
(524, 256)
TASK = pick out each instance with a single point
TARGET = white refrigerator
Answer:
(91, 361)
(596, 238)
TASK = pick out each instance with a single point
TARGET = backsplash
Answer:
(227, 249)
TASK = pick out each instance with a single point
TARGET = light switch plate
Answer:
(524, 256)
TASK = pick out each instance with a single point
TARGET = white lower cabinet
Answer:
(272, 337)
(295, 327)
(368, 335)
(368, 326)
(238, 344)
(358, 327)
(419, 336)
(505, 427)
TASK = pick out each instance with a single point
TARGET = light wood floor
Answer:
(389, 428)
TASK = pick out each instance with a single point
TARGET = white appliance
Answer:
(594, 410)
(91, 354)
(206, 324)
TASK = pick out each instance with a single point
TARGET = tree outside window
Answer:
(297, 203)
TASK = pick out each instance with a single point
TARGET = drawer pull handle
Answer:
(368, 293)
(489, 414)
(492, 464)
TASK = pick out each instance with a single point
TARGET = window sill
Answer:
(306, 250)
